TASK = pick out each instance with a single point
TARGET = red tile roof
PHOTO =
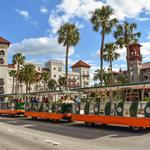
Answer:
(4, 41)
(11, 66)
(146, 65)
(80, 63)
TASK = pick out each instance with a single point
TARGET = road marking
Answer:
(51, 142)
(28, 125)
(12, 131)
(11, 121)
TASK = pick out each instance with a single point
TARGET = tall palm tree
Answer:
(125, 34)
(45, 77)
(27, 74)
(51, 84)
(110, 54)
(12, 74)
(18, 59)
(69, 36)
(101, 20)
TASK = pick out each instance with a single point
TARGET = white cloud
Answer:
(43, 10)
(67, 10)
(39, 47)
(23, 13)
(71, 9)
(128, 8)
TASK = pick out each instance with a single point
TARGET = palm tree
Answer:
(110, 54)
(62, 81)
(18, 59)
(106, 77)
(12, 74)
(122, 79)
(27, 74)
(101, 19)
(51, 84)
(69, 36)
(45, 77)
(125, 35)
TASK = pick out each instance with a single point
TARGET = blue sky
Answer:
(31, 25)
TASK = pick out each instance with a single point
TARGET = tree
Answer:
(12, 74)
(62, 81)
(101, 19)
(122, 79)
(69, 36)
(27, 74)
(110, 54)
(51, 84)
(45, 77)
(125, 35)
(106, 77)
(18, 59)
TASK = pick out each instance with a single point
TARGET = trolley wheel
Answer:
(136, 129)
(92, 124)
(69, 119)
(34, 118)
(87, 123)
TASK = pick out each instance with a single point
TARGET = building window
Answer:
(1, 81)
(54, 68)
(1, 61)
(54, 76)
(59, 76)
(146, 77)
(1, 90)
(2, 52)
(60, 69)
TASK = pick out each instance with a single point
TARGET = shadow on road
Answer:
(74, 129)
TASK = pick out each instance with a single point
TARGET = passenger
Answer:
(34, 100)
(77, 100)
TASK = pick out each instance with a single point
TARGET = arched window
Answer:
(2, 52)
(1, 61)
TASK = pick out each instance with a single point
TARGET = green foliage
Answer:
(147, 99)
(51, 84)
(62, 81)
(133, 109)
(108, 108)
(87, 108)
(27, 75)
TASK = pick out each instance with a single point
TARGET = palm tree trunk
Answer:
(67, 52)
(26, 87)
(13, 85)
(111, 79)
(101, 58)
(17, 74)
(128, 67)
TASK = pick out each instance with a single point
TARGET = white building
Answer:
(79, 77)
(4, 45)
(56, 68)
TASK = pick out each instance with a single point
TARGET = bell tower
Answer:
(134, 59)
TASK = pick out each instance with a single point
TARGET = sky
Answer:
(31, 26)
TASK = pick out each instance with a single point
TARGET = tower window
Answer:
(2, 52)
(1, 61)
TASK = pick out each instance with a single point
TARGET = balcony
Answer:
(71, 80)
(86, 75)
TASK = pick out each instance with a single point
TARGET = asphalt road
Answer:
(26, 134)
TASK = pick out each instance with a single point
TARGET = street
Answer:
(26, 134)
